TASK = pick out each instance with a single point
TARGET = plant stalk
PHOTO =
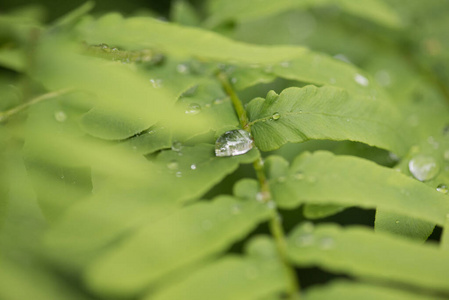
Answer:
(15, 110)
(276, 228)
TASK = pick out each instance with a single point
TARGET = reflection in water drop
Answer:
(193, 167)
(276, 116)
(182, 69)
(360, 79)
(442, 188)
(193, 109)
(327, 243)
(423, 167)
(60, 116)
(173, 165)
(178, 174)
(176, 146)
(234, 142)
(157, 83)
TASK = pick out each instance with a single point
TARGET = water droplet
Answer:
(442, 188)
(276, 116)
(397, 222)
(285, 64)
(183, 68)
(234, 142)
(173, 165)
(431, 140)
(218, 101)
(282, 179)
(259, 197)
(193, 109)
(207, 105)
(271, 205)
(383, 77)
(236, 209)
(193, 167)
(327, 243)
(304, 240)
(176, 146)
(103, 46)
(423, 167)
(342, 57)
(157, 83)
(62, 176)
(299, 175)
(233, 80)
(178, 174)
(268, 69)
(393, 156)
(60, 116)
(360, 79)
(446, 155)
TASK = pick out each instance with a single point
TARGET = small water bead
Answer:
(234, 80)
(397, 221)
(157, 83)
(446, 155)
(193, 167)
(183, 69)
(234, 142)
(362, 80)
(207, 105)
(423, 167)
(299, 175)
(259, 197)
(383, 77)
(282, 179)
(305, 240)
(173, 165)
(442, 188)
(271, 205)
(285, 64)
(327, 243)
(178, 174)
(276, 116)
(268, 69)
(218, 101)
(60, 116)
(176, 146)
(236, 209)
(193, 109)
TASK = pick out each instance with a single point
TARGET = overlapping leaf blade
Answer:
(324, 178)
(356, 251)
(300, 114)
(188, 236)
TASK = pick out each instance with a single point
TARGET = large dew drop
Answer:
(423, 167)
(234, 142)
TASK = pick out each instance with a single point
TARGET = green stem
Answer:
(275, 222)
(15, 110)
(238, 106)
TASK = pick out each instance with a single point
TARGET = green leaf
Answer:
(25, 281)
(247, 10)
(13, 59)
(346, 290)
(147, 33)
(403, 225)
(355, 251)
(323, 113)
(199, 231)
(318, 211)
(74, 15)
(232, 277)
(323, 178)
(182, 12)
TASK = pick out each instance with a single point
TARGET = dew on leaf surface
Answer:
(361, 80)
(423, 167)
(442, 188)
(157, 83)
(193, 109)
(327, 243)
(276, 116)
(60, 116)
(234, 142)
